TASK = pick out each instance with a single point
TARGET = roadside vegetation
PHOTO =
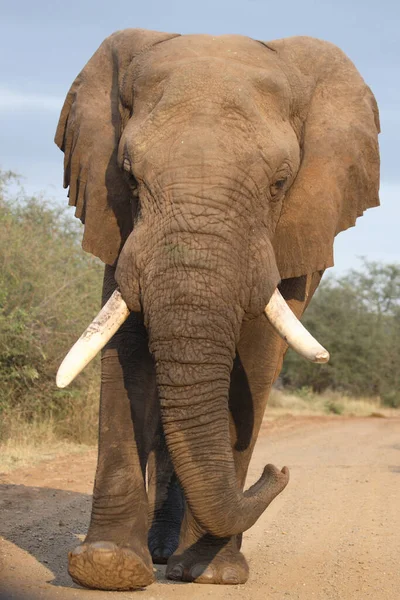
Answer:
(50, 290)
(357, 317)
(305, 402)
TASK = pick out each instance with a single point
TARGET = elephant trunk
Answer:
(193, 318)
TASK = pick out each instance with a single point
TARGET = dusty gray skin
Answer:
(206, 171)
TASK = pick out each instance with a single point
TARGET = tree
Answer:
(49, 292)
(357, 317)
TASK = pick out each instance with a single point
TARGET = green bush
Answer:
(334, 407)
(49, 292)
(305, 392)
(357, 318)
(392, 398)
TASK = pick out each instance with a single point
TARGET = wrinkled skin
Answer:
(206, 171)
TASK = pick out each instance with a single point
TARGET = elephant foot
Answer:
(205, 563)
(161, 553)
(163, 541)
(105, 566)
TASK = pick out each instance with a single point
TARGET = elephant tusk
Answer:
(115, 312)
(292, 331)
(96, 336)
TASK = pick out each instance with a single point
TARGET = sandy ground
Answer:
(334, 533)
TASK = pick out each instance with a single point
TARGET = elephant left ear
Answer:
(90, 126)
(339, 174)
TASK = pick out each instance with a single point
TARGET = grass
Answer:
(30, 443)
(304, 402)
(27, 443)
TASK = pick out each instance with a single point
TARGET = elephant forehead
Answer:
(229, 47)
(222, 68)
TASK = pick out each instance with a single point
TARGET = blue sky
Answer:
(44, 44)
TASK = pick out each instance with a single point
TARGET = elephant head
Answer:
(207, 169)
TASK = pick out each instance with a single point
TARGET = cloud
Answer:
(16, 100)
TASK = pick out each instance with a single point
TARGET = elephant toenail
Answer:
(230, 576)
(202, 571)
(160, 556)
(78, 550)
(176, 573)
(103, 546)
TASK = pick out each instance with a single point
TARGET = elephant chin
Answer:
(115, 312)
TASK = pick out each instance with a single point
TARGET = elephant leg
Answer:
(166, 503)
(201, 557)
(115, 555)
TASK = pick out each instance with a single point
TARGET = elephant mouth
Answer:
(115, 312)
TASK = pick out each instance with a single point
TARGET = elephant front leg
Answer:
(203, 558)
(115, 555)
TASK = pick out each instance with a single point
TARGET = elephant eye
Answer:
(130, 177)
(277, 187)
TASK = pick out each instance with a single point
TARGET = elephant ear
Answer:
(88, 133)
(339, 174)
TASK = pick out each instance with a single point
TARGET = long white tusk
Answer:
(96, 336)
(292, 331)
(115, 312)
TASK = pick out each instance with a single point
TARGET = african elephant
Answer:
(208, 171)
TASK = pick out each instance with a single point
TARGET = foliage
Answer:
(49, 290)
(357, 317)
(305, 402)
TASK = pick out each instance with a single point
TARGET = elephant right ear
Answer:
(338, 125)
(88, 133)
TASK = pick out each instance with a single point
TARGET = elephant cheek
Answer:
(263, 277)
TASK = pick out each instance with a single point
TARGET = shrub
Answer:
(357, 318)
(49, 292)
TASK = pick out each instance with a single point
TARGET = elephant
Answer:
(210, 173)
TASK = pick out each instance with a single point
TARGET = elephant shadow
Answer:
(46, 523)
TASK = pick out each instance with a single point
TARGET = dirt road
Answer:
(334, 533)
